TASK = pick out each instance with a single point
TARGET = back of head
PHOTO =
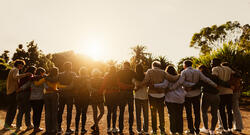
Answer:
(96, 72)
(83, 71)
(19, 62)
(112, 69)
(188, 63)
(126, 65)
(215, 62)
(67, 66)
(225, 64)
(156, 64)
(171, 70)
(40, 71)
(139, 72)
(54, 72)
(203, 69)
(31, 69)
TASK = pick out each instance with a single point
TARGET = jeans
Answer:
(236, 112)
(81, 109)
(96, 117)
(11, 110)
(24, 107)
(157, 105)
(122, 106)
(112, 113)
(175, 112)
(63, 100)
(141, 105)
(37, 106)
(226, 102)
(51, 109)
(207, 101)
(195, 102)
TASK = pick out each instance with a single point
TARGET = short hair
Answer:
(95, 72)
(67, 65)
(31, 69)
(82, 70)
(40, 70)
(19, 62)
(126, 63)
(225, 64)
(188, 63)
(216, 62)
(156, 64)
(54, 71)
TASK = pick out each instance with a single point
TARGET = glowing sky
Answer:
(114, 26)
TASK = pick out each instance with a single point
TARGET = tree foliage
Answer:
(33, 56)
(212, 38)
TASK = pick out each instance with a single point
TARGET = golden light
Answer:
(93, 49)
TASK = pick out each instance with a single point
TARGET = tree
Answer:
(33, 56)
(164, 61)
(5, 56)
(212, 38)
(139, 55)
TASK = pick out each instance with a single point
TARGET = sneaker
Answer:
(17, 129)
(204, 130)
(115, 130)
(153, 132)
(188, 132)
(139, 132)
(84, 131)
(211, 132)
(163, 133)
(238, 131)
(69, 131)
(11, 127)
(109, 130)
(146, 133)
(131, 132)
(38, 129)
(59, 130)
(29, 127)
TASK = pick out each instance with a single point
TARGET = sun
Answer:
(93, 49)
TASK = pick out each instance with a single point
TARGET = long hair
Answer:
(139, 72)
(171, 70)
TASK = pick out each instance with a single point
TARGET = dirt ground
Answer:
(245, 111)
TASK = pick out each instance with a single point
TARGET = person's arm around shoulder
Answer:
(40, 82)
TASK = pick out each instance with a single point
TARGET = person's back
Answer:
(12, 82)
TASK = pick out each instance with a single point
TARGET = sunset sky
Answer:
(107, 29)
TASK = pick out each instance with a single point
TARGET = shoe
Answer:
(29, 127)
(238, 131)
(146, 133)
(204, 130)
(38, 129)
(131, 132)
(69, 131)
(139, 132)
(153, 132)
(11, 127)
(173, 133)
(93, 127)
(17, 129)
(84, 131)
(76, 131)
(163, 133)
(188, 132)
(211, 132)
(121, 132)
(60, 131)
(115, 130)
(109, 130)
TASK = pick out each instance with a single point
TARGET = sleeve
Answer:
(40, 82)
(146, 80)
(61, 86)
(215, 71)
(207, 80)
(188, 84)
(162, 85)
(25, 86)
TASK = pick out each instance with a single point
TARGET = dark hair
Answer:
(31, 69)
(54, 71)
(19, 62)
(215, 62)
(188, 63)
(139, 72)
(126, 63)
(156, 64)
(225, 64)
(67, 65)
(40, 70)
(171, 70)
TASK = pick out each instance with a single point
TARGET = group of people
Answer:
(196, 89)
